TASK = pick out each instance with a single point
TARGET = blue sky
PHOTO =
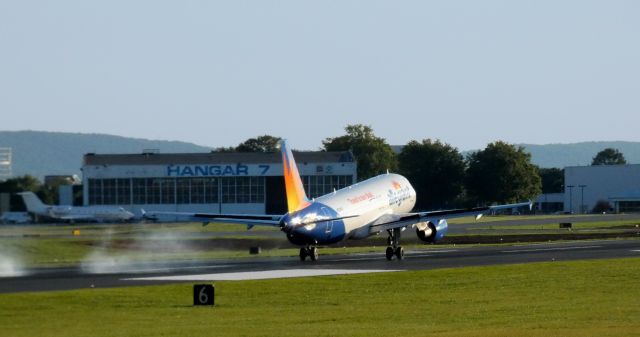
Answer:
(216, 73)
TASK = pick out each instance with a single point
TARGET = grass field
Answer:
(581, 298)
(576, 225)
(497, 218)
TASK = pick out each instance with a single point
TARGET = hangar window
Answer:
(124, 191)
(168, 191)
(139, 191)
(212, 190)
(257, 190)
(153, 191)
(197, 190)
(109, 191)
(312, 186)
(628, 206)
(243, 190)
(316, 186)
(183, 190)
(228, 186)
(95, 191)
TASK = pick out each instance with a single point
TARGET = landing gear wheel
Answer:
(313, 253)
(389, 253)
(399, 253)
(303, 254)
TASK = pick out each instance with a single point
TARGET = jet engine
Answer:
(430, 232)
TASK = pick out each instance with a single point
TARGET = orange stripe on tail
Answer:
(296, 198)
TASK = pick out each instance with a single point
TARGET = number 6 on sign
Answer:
(203, 294)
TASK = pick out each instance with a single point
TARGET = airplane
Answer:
(73, 213)
(380, 204)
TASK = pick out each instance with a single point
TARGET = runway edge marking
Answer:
(261, 275)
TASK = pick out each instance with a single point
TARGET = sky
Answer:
(218, 72)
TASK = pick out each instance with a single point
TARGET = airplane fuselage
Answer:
(100, 213)
(350, 211)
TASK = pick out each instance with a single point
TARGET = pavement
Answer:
(151, 273)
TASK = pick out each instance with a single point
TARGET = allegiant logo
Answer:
(211, 170)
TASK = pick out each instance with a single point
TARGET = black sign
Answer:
(203, 294)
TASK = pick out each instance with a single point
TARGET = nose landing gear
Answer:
(393, 243)
(311, 252)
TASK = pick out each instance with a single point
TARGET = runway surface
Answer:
(261, 268)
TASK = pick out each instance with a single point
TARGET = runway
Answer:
(258, 268)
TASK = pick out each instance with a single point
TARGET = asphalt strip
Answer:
(547, 249)
(259, 275)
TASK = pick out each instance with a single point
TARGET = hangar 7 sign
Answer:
(216, 170)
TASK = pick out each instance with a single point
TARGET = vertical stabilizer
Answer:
(296, 198)
(33, 203)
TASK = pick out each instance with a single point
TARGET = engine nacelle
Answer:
(430, 232)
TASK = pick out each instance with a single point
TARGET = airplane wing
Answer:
(245, 219)
(408, 219)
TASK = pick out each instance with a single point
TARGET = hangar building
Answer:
(214, 182)
(619, 185)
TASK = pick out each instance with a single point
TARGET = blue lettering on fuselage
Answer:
(211, 170)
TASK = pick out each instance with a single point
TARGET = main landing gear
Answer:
(311, 252)
(393, 243)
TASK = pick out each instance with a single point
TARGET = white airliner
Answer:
(72, 213)
(379, 204)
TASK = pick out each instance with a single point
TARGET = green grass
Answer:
(125, 229)
(497, 218)
(582, 298)
(575, 225)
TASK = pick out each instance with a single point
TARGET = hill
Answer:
(579, 154)
(48, 153)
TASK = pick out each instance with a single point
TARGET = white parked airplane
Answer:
(382, 203)
(72, 213)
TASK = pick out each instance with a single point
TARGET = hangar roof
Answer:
(214, 158)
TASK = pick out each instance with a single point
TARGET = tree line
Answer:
(440, 174)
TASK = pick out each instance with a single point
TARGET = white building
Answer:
(619, 185)
(5, 163)
(208, 182)
(550, 203)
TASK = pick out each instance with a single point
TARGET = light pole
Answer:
(582, 197)
(570, 187)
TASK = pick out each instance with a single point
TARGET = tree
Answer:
(373, 154)
(552, 179)
(224, 149)
(436, 170)
(22, 184)
(263, 143)
(609, 156)
(502, 173)
(602, 206)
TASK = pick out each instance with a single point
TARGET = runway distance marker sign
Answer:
(204, 294)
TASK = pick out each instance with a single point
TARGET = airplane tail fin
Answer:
(33, 203)
(296, 197)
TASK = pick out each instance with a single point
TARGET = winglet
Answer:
(296, 197)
